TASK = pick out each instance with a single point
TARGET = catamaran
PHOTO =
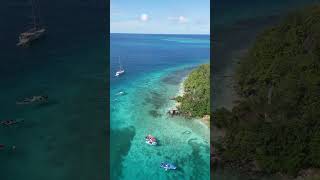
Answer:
(36, 32)
(120, 71)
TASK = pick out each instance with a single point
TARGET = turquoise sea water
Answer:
(156, 67)
(66, 138)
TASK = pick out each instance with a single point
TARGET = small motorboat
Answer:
(167, 166)
(121, 93)
(33, 99)
(151, 140)
(10, 122)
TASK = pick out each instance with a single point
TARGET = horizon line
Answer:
(155, 33)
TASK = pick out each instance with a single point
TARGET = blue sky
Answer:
(160, 16)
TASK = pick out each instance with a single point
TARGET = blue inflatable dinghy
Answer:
(168, 166)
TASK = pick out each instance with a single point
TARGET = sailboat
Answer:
(32, 34)
(120, 71)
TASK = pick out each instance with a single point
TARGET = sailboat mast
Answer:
(33, 14)
(120, 64)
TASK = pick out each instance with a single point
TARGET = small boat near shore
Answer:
(168, 166)
(174, 112)
(151, 140)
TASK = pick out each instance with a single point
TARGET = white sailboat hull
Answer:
(118, 73)
(29, 36)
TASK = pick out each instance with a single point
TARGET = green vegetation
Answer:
(196, 100)
(277, 122)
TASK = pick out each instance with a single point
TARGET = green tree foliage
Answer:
(277, 124)
(223, 118)
(196, 100)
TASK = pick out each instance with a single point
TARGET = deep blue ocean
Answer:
(142, 53)
(155, 67)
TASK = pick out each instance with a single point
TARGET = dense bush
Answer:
(277, 122)
(196, 100)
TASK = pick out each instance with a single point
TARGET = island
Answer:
(194, 102)
(274, 127)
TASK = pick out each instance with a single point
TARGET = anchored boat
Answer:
(151, 140)
(35, 33)
(121, 93)
(168, 166)
(33, 99)
(120, 71)
(10, 122)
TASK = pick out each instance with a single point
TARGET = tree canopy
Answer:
(196, 99)
(277, 122)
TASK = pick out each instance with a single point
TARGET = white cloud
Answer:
(179, 19)
(183, 19)
(144, 17)
(171, 25)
